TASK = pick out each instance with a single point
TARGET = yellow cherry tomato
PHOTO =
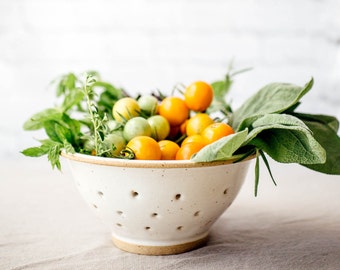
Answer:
(145, 148)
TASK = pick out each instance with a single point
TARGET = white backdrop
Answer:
(148, 44)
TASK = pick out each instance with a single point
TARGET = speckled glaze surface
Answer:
(157, 207)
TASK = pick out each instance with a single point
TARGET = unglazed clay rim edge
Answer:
(160, 250)
(145, 163)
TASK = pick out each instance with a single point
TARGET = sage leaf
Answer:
(222, 149)
(328, 120)
(293, 145)
(272, 98)
(325, 133)
(274, 121)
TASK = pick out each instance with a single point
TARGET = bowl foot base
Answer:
(159, 250)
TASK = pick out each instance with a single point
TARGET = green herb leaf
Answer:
(98, 122)
(50, 129)
(63, 133)
(293, 145)
(68, 147)
(53, 155)
(328, 120)
(115, 92)
(273, 98)
(35, 151)
(49, 147)
(257, 174)
(221, 89)
(267, 165)
(324, 130)
(37, 120)
(223, 149)
(74, 127)
(73, 98)
(273, 121)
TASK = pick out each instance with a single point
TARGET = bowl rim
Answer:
(132, 163)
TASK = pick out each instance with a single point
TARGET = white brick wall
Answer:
(149, 44)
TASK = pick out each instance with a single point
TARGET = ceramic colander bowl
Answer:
(157, 207)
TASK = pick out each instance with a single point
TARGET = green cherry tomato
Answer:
(137, 126)
(148, 104)
(116, 142)
(160, 127)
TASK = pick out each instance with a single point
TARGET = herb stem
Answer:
(87, 91)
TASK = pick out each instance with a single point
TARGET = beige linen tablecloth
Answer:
(44, 224)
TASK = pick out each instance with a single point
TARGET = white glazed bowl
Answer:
(157, 207)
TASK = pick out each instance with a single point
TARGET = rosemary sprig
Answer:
(98, 123)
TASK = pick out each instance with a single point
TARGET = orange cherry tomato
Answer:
(145, 148)
(216, 131)
(198, 96)
(194, 138)
(174, 110)
(183, 127)
(198, 123)
(187, 150)
(169, 149)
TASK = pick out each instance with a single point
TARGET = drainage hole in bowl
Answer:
(154, 215)
(179, 228)
(119, 225)
(119, 212)
(178, 196)
(147, 228)
(95, 206)
(134, 194)
(100, 194)
(197, 213)
(225, 192)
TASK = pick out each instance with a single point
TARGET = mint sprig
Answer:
(76, 117)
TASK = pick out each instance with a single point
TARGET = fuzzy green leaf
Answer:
(290, 146)
(328, 120)
(223, 149)
(273, 98)
(274, 121)
(325, 133)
